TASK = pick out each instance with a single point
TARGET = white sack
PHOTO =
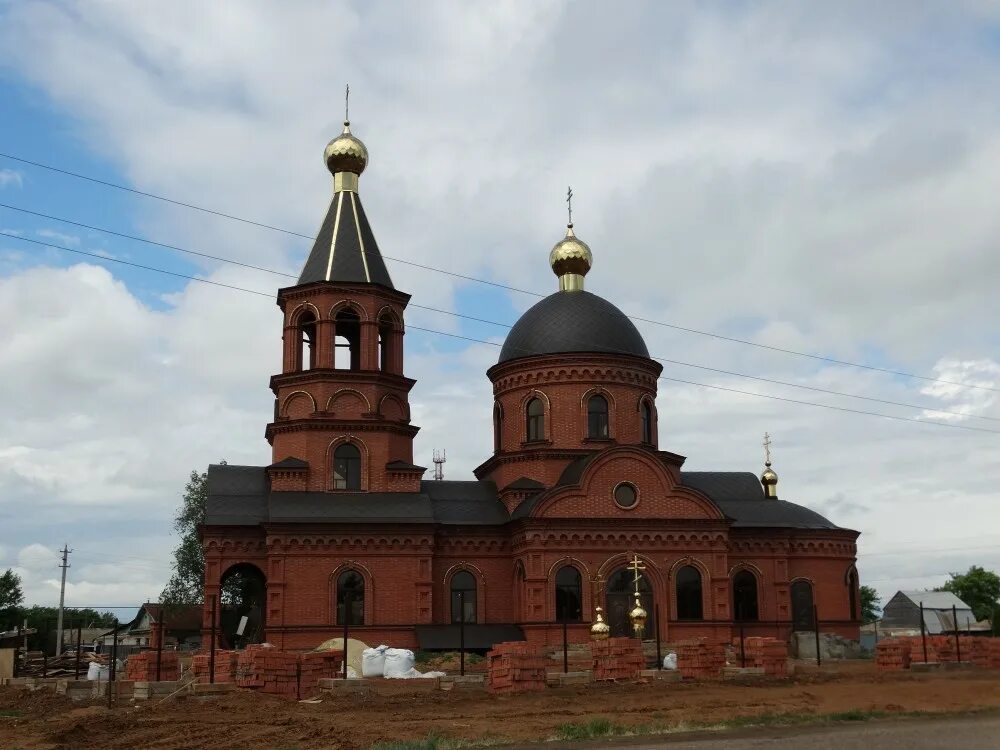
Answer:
(96, 672)
(670, 661)
(373, 661)
(398, 661)
(412, 673)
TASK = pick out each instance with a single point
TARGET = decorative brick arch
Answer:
(365, 461)
(388, 312)
(480, 577)
(300, 309)
(389, 398)
(706, 585)
(340, 393)
(331, 590)
(296, 395)
(347, 304)
(654, 428)
(586, 600)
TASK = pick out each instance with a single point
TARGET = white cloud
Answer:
(59, 237)
(818, 179)
(10, 177)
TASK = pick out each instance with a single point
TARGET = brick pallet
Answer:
(700, 659)
(225, 666)
(617, 659)
(319, 665)
(515, 667)
(892, 655)
(141, 667)
(768, 654)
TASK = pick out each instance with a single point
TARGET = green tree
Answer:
(871, 604)
(979, 588)
(187, 582)
(11, 597)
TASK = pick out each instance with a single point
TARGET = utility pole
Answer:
(62, 599)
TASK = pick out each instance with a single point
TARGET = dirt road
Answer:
(37, 721)
(968, 733)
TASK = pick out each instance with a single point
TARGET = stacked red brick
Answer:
(515, 667)
(892, 655)
(268, 670)
(141, 667)
(319, 665)
(617, 658)
(988, 653)
(225, 666)
(700, 659)
(916, 644)
(774, 657)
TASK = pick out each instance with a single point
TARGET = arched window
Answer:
(852, 593)
(802, 605)
(647, 422)
(351, 598)
(347, 341)
(497, 428)
(569, 595)
(745, 597)
(597, 417)
(688, 584)
(347, 467)
(463, 597)
(305, 357)
(536, 420)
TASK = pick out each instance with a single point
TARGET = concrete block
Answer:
(218, 688)
(925, 666)
(560, 679)
(740, 673)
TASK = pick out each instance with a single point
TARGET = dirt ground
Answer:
(36, 721)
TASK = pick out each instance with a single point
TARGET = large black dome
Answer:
(575, 321)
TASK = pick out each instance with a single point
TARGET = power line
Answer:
(721, 337)
(508, 326)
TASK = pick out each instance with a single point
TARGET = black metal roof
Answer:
(740, 496)
(573, 322)
(349, 254)
(239, 496)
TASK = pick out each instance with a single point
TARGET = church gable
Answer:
(626, 483)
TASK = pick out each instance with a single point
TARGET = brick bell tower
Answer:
(341, 412)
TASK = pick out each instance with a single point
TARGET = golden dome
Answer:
(770, 481)
(345, 153)
(571, 259)
(599, 630)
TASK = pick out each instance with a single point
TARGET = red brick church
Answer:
(343, 523)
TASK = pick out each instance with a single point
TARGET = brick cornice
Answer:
(306, 291)
(589, 368)
(339, 426)
(344, 377)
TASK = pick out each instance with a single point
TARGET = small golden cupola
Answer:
(769, 478)
(570, 258)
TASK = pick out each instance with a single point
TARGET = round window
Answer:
(626, 495)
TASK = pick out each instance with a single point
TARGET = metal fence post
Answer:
(79, 638)
(743, 647)
(211, 657)
(461, 632)
(112, 663)
(347, 626)
(819, 660)
(565, 630)
(656, 618)
(159, 644)
(923, 631)
(958, 646)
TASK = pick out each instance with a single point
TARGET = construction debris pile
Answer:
(36, 664)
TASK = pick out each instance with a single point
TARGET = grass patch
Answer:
(587, 730)
(436, 742)
(10, 713)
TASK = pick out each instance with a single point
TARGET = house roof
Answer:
(936, 600)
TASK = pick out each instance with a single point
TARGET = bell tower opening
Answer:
(347, 341)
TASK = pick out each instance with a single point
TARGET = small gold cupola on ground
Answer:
(769, 478)
(570, 258)
(346, 156)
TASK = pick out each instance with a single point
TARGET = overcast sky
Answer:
(814, 177)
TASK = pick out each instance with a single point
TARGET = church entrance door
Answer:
(619, 600)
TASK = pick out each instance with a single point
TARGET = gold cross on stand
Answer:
(636, 566)
(767, 449)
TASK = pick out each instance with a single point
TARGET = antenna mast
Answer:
(439, 460)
